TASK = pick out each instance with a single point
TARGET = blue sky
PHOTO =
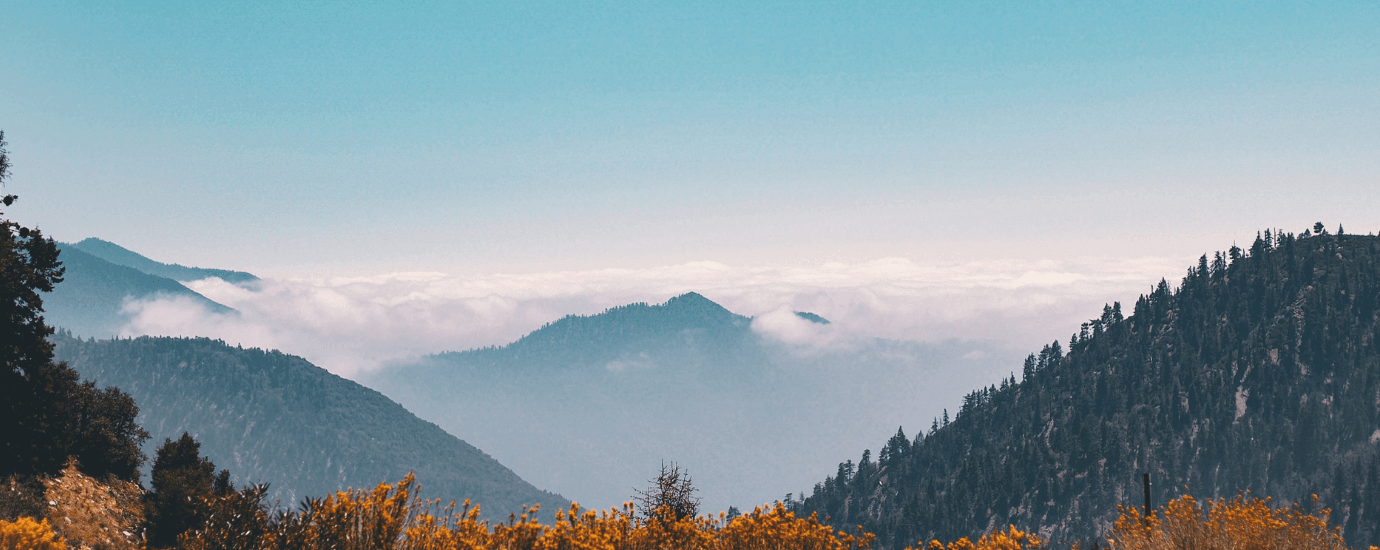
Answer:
(426, 177)
(332, 135)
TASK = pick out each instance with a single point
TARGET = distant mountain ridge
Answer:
(1258, 373)
(276, 418)
(90, 300)
(689, 324)
(589, 405)
(119, 255)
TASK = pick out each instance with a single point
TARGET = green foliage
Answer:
(46, 413)
(183, 483)
(1257, 373)
(28, 265)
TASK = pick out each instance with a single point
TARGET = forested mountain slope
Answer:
(1259, 373)
(590, 405)
(90, 299)
(275, 418)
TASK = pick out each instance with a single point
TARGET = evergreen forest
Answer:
(1258, 372)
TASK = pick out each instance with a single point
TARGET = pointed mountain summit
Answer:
(590, 405)
(693, 306)
(688, 325)
(120, 255)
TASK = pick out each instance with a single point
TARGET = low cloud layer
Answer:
(350, 324)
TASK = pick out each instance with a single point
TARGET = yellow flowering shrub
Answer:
(1242, 523)
(392, 517)
(27, 534)
(1010, 539)
(775, 527)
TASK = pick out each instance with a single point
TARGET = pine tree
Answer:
(47, 415)
(183, 483)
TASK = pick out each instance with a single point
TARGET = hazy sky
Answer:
(525, 137)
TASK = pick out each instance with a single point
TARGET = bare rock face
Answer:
(93, 514)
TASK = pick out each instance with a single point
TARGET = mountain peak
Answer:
(120, 255)
(695, 302)
(685, 322)
(690, 297)
(91, 299)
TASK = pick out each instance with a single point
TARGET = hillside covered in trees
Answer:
(275, 418)
(1259, 373)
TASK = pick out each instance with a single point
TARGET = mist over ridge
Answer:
(352, 324)
(588, 405)
(902, 342)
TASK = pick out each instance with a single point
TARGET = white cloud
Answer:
(784, 325)
(347, 324)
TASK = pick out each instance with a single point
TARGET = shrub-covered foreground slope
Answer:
(1260, 373)
(276, 418)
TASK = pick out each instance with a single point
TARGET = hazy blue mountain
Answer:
(690, 327)
(90, 299)
(590, 405)
(1258, 373)
(119, 255)
(276, 418)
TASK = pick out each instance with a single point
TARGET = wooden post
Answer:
(1146, 479)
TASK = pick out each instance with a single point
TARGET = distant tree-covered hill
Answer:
(590, 405)
(1259, 373)
(90, 300)
(689, 326)
(119, 255)
(275, 418)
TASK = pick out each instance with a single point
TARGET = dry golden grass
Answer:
(91, 514)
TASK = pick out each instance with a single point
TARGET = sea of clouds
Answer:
(349, 324)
